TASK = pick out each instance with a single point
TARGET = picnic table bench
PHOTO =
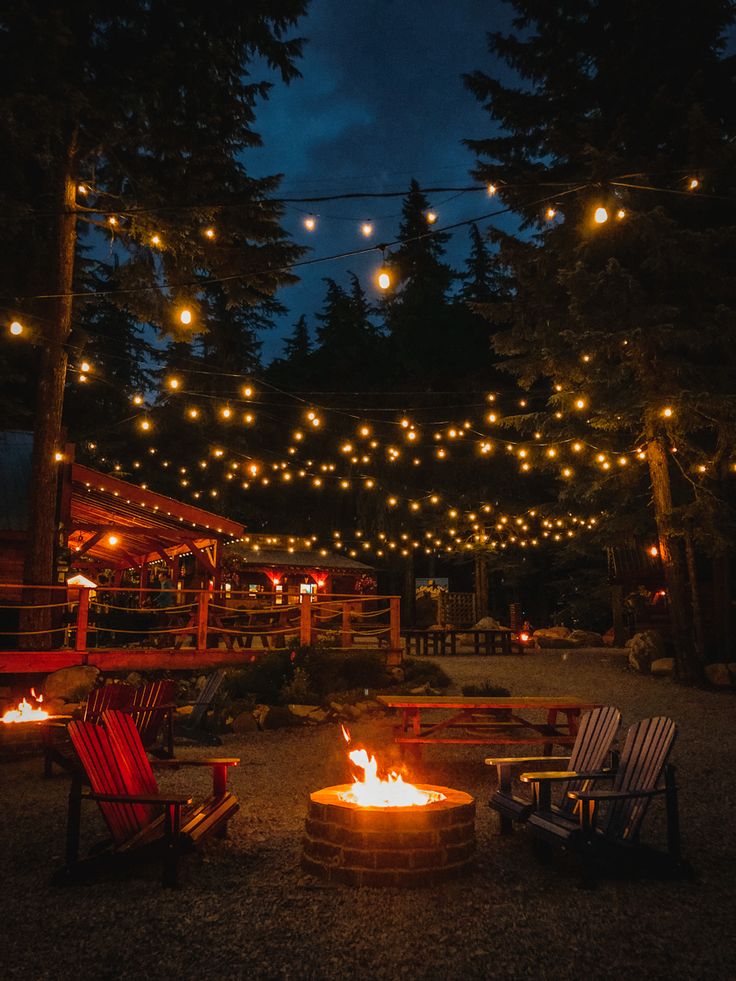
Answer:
(481, 721)
(441, 642)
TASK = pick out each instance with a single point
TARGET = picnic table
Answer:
(481, 721)
(444, 641)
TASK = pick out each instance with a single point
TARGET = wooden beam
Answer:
(90, 543)
(204, 557)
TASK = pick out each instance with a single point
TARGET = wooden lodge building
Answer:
(108, 525)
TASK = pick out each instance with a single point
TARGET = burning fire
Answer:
(26, 712)
(370, 791)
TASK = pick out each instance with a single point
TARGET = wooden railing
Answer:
(115, 618)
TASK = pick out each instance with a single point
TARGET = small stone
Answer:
(183, 710)
(135, 679)
(663, 666)
(718, 675)
(304, 711)
(75, 682)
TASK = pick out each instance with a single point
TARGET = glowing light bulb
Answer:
(185, 316)
(82, 189)
(137, 400)
(193, 413)
(366, 229)
(580, 403)
(383, 279)
(156, 240)
(693, 183)
(667, 412)
(600, 216)
(112, 540)
(431, 217)
(492, 189)
(621, 214)
(550, 213)
(145, 425)
(247, 392)
(209, 233)
(112, 220)
(654, 551)
(16, 328)
(226, 412)
(310, 223)
(173, 383)
(58, 457)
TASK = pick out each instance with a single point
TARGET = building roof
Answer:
(146, 523)
(297, 560)
(16, 449)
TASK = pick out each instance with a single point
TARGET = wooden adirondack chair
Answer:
(56, 746)
(589, 753)
(608, 822)
(194, 726)
(141, 818)
(152, 709)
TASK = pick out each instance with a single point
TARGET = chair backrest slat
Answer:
(643, 759)
(117, 695)
(592, 745)
(109, 773)
(126, 743)
(146, 711)
(206, 697)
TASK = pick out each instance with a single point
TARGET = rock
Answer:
(396, 674)
(55, 706)
(488, 623)
(135, 679)
(609, 637)
(303, 711)
(279, 717)
(75, 682)
(663, 666)
(585, 638)
(552, 637)
(422, 690)
(245, 722)
(183, 711)
(644, 648)
(259, 713)
(200, 683)
(718, 675)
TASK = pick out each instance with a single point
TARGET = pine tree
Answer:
(298, 345)
(136, 125)
(347, 340)
(632, 317)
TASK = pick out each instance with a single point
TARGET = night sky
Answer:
(381, 101)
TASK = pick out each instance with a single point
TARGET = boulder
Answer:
(663, 666)
(488, 623)
(73, 683)
(279, 717)
(585, 638)
(135, 679)
(644, 648)
(396, 674)
(718, 675)
(552, 637)
(55, 706)
(245, 722)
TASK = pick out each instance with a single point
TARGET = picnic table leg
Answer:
(551, 725)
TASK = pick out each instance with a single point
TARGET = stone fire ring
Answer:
(389, 846)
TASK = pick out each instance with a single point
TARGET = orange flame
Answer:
(371, 791)
(26, 712)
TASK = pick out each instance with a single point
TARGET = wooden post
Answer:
(619, 618)
(82, 619)
(347, 632)
(202, 619)
(394, 630)
(305, 621)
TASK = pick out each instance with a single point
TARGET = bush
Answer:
(331, 671)
(264, 678)
(419, 672)
(486, 689)
(299, 691)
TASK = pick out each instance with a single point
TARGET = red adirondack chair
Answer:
(140, 817)
(152, 708)
(56, 746)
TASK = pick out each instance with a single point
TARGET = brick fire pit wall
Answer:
(389, 846)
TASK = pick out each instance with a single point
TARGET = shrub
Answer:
(419, 672)
(264, 678)
(299, 690)
(486, 689)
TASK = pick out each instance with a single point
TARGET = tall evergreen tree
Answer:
(637, 312)
(134, 121)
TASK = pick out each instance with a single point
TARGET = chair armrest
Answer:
(511, 760)
(138, 798)
(555, 776)
(175, 764)
(605, 795)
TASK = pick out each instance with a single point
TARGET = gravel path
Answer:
(247, 911)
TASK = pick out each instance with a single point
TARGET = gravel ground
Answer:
(245, 909)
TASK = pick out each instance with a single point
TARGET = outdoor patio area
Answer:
(246, 909)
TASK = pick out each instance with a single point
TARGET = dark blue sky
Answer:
(381, 101)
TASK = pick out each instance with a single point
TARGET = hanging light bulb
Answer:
(209, 233)
(431, 217)
(600, 215)
(492, 189)
(185, 316)
(383, 278)
(693, 184)
(16, 328)
(156, 240)
(310, 223)
(367, 229)
(550, 213)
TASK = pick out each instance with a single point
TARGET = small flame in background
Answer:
(27, 712)
(370, 791)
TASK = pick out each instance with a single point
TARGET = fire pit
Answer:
(387, 832)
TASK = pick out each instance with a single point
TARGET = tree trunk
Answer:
(481, 585)
(673, 564)
(56, 326)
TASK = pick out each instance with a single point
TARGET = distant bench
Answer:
(442, 642)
